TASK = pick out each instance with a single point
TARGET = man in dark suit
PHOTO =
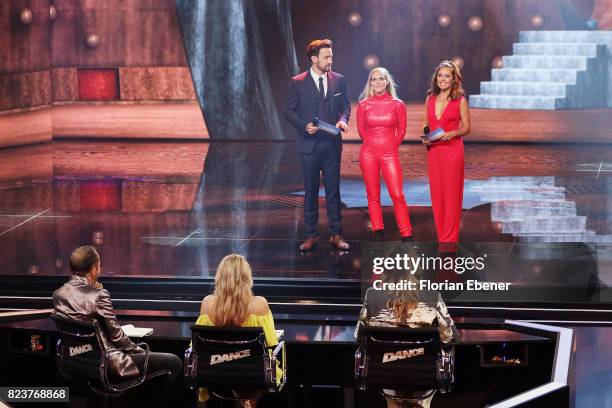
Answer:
(319, 92)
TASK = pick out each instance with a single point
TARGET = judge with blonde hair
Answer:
(233, 304)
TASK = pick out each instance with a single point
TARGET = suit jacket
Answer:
(77, 300)
(301, 106)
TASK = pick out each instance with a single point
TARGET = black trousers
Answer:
(324, 159)
(163, 391)
(159, 361)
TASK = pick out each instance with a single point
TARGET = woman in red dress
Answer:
(381, 122)
(447, 109)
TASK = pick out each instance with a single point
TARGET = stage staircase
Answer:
(551, 70)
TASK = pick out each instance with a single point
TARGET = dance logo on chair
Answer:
(223, 358)
(77, 350)
(402, 354)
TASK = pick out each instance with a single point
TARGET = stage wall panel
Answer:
(25, 127)
(64, 84)
(131, 34)
(24, 48)
(155, 83)
(24, 90)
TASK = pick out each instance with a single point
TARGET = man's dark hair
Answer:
(82, 259)
(315, 46)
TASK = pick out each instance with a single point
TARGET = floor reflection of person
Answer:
(319, 92)
(381, 123)
(407, 308)
(233, 305)
(447, 109)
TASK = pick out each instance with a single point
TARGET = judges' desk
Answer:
(495, 359)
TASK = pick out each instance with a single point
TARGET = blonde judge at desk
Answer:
(233, 305)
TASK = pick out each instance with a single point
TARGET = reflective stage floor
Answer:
(155, 210)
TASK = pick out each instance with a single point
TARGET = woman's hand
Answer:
(447, 136)
(425, 141)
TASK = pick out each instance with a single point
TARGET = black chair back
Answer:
(399, 358)
(79, 353)
(224, 356)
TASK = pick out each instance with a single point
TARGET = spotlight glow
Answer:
(354, 19)
(444, 20)
(537, 20)
(475, 23)
(26, 16)
(497, 62)
(370, 61)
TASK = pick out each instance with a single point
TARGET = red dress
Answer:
(381, 122)
(445, 167)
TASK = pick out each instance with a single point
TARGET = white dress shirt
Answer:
(316, 77)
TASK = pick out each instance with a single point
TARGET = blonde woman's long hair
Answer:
(391, 85)
(233, 291)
